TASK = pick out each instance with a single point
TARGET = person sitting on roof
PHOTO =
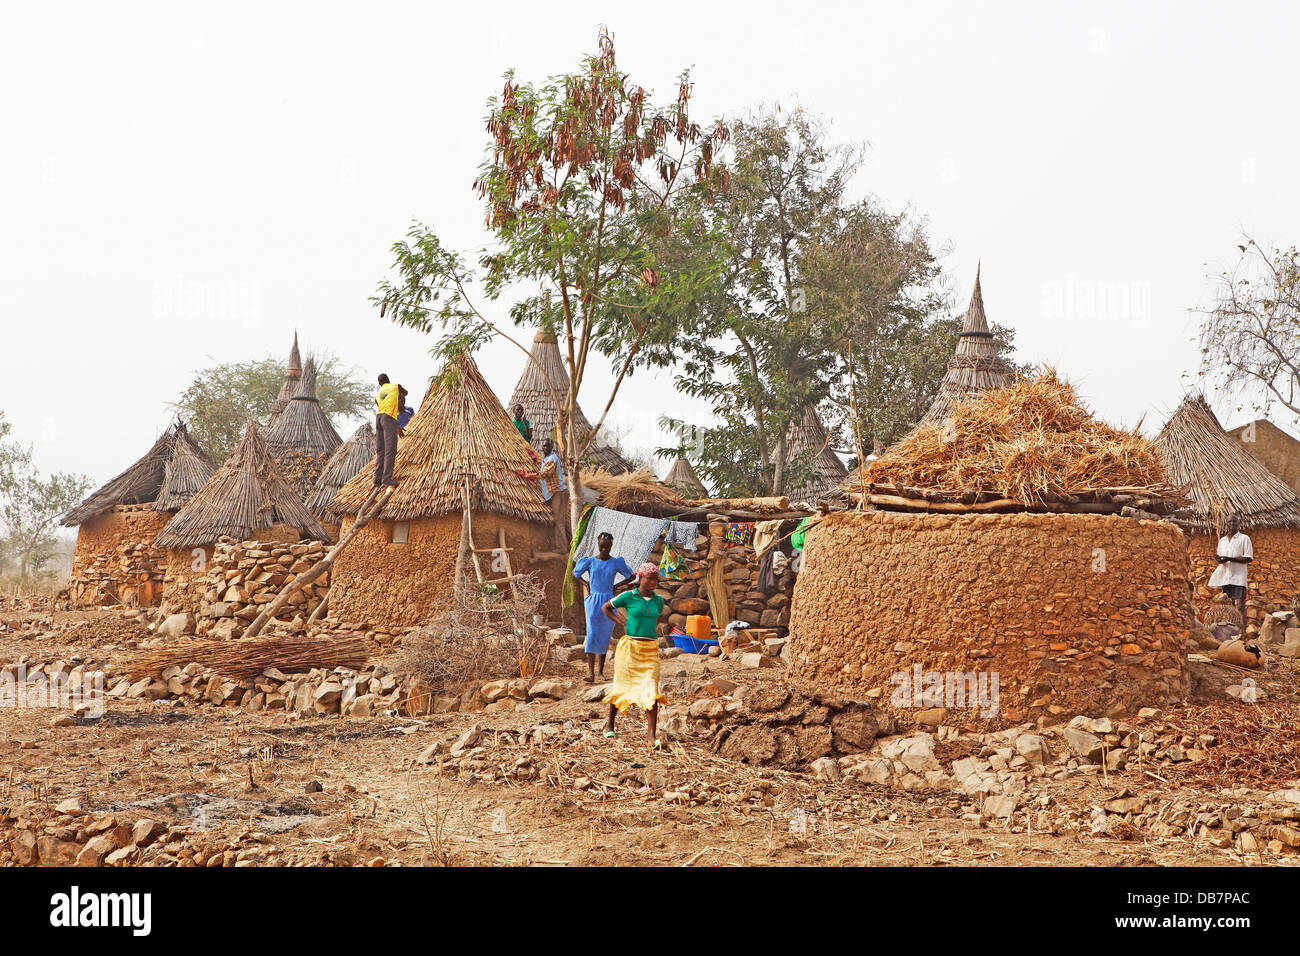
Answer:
(559, 499)
(1233, 554)
(523, 424)
(388, 402)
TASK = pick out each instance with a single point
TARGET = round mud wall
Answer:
(1040, 615)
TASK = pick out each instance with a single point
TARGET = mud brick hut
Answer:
(114, 561)
(460, 452)
(1275, 449)
(544, 381)
(1014, 540)
(247, 499)
(301, 439)
(682, 479)
(289, 387)
(808, 444)
(355, 454)
(1222, 477)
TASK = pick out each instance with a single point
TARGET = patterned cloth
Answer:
(682, 534)
(634, 536)
(738, 533)
(672, 566)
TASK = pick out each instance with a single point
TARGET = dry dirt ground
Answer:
(254, 789)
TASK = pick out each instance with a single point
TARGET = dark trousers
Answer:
(385, 447)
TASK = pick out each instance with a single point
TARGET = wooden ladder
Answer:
(503, 549)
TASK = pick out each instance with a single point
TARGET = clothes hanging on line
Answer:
(682, 534)
(635, 536)
(766, 534)
(672, 566)
(738, 533)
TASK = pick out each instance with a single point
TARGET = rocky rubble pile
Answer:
(244, 576)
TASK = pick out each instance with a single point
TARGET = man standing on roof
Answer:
(559, 499)
(524, 425)
(1233, 554)
(388, 400)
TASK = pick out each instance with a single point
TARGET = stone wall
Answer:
(186, 583)
(245, 576)
(389, 587)
(1074, 614)
(114, 561)
(1273, 577)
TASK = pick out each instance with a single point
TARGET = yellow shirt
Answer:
(387, 399)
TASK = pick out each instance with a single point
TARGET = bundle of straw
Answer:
(1030, 442)
(631, 487)
(242, 660)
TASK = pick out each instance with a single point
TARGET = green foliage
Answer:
(30, 508)
(592, 195)
(223, 397)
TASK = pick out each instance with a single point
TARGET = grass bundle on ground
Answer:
(243, 660)
(630, 487)
(1031, 442)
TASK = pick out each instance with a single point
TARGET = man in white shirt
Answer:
(1234, 552)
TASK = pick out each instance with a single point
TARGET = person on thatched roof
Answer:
(388, 404)
(558, 497)
(1233, 554)
(521, 422)
(600, 569)
(636, 659)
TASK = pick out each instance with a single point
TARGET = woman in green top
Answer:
(636, 659)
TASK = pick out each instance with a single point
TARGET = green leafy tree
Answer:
(30, 508)
(815, 283)
(223, 397)
(588, 188)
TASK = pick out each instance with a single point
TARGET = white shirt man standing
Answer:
(1233, 553)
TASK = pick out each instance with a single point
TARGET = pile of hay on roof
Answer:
(631, 487)
(1030, 445)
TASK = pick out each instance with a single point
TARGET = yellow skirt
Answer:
(636, 675)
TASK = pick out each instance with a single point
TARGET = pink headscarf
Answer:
(646, 569)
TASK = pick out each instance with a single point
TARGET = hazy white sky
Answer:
(183, 186)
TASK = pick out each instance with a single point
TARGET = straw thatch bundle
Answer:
(682, 478)
(630, 487)
(544, 378)
(461, 438)
(975, 367)
(246, 495)
(302, 439)
(1223, 610)
(348, 459)
(808, 438)
(1221, 476)
(1029, 443)
(289, 387)
(169, 474)
(247, 659)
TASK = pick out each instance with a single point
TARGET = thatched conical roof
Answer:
(682, 479)
(169, 474)
(302, 439)
(974, 368)
(461, 438)
(355, 454)
(809, 437)
(544, 378)
(246, 495)
(1221, 476)
(288, 388)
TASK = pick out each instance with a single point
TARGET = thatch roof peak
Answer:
(805, 437)
(169, 474)
(975, 366)
(543, 380)
(1221, 476)
(292, 373)
(460, 441)
(301, 438)
(350, 458)
(682, 478)
(247, 494)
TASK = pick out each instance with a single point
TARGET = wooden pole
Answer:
(323, 565)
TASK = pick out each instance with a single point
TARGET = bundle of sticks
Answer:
(242, 660)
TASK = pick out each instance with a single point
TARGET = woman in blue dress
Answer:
(600, 571)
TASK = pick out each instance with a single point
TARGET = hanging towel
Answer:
(765, 535)
(634, 536)
(739, 532)
(682, 534)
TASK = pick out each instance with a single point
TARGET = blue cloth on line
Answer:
(600, 577)
(682, 534)
(635, 536)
